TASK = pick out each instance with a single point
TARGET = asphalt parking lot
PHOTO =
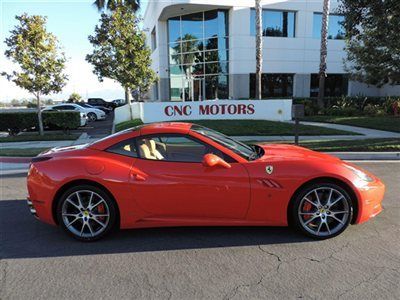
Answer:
(40, 261)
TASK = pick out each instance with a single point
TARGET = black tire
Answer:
(92, 117)
(108, 204)
(320, 214)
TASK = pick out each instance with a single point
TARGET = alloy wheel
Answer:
(324, 211)
(85, 214)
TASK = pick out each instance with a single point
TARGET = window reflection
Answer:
(273, 85)
(198, 56)
(335, 28)
(335, 85)
(275, 23)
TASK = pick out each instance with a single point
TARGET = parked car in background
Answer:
(84, 118)
(102, 108)
(93, 114)
(119, 102)
(101, 102)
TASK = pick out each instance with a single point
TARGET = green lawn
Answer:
(37, 137)
(387, 123)
(373, 145)
(251, 127)
(29, 152)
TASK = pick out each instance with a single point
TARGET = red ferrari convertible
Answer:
(181, 174)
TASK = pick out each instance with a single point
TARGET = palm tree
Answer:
(112, 4)
(258, 48)
(323, 52)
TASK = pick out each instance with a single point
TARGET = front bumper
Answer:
(371, 197)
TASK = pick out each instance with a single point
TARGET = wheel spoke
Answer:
(101, 223)
(329, 197)
(337, 219)
(317, 197)
(79, 200)
(73, 221)
(339, 212)
(100, 215)
(310, 220)
(327, 226)
(83, 227)
(307, 213)
(309, 201)
(100, 201)
(319, 227)
(337, 200)
(70, 215)
(70, 201)
(90, 201)
(90, 228)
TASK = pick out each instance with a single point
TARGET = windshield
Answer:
(245, 151)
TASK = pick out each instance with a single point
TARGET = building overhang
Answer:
(187, 8)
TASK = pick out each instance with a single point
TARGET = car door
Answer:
(169, 180)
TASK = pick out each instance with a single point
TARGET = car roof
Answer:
(165, 127)
(145, 129)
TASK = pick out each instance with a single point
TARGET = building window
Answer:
(199, 56)
(153, 39)
(155, 91)
(273, 85)
(335, 85)
(274, 23)
(335, 28)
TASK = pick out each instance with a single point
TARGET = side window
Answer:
(177, 148)
(127, 148)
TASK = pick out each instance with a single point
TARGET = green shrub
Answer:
(349, 106)
(64, 120)
(13, 122)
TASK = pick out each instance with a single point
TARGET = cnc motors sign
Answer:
(279, 110)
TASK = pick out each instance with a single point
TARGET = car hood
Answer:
(294, 152)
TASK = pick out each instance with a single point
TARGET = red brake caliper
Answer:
(101, 210)
(306, 208)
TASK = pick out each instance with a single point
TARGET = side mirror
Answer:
(211, 160)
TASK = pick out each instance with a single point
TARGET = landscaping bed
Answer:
(252, 127)
(31, 136)
(365, 145)
(386, 123)
(18, 152)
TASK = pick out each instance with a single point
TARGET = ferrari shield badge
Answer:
(269, 169)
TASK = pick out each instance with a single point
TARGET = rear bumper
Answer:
(371, 197)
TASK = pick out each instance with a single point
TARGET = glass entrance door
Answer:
(195, 89)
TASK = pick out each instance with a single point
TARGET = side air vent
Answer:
(270, 183)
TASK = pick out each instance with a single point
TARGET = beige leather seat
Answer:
(148, 150)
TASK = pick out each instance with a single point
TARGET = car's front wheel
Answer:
(92, 116)
(86, 212)
(322, 210)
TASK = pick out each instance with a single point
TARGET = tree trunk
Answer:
(259, 46)
(39, 111)
(323, 53)
(128, 96)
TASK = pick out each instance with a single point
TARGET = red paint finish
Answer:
(161, 193)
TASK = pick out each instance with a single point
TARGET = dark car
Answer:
(101, 102)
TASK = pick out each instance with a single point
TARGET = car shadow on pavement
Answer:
(25, 237)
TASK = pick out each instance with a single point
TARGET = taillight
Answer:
(40, 158)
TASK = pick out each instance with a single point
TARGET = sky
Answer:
(72, 21)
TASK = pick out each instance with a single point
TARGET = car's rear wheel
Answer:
(322, 210)
(86, 212)
(92, 116)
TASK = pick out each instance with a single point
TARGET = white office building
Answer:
(205, 49)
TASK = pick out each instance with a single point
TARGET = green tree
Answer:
(372, 40)
(120, 51)
(74, 97)
(36, 51)
(113, 4)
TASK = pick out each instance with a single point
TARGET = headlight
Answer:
(360, 174)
